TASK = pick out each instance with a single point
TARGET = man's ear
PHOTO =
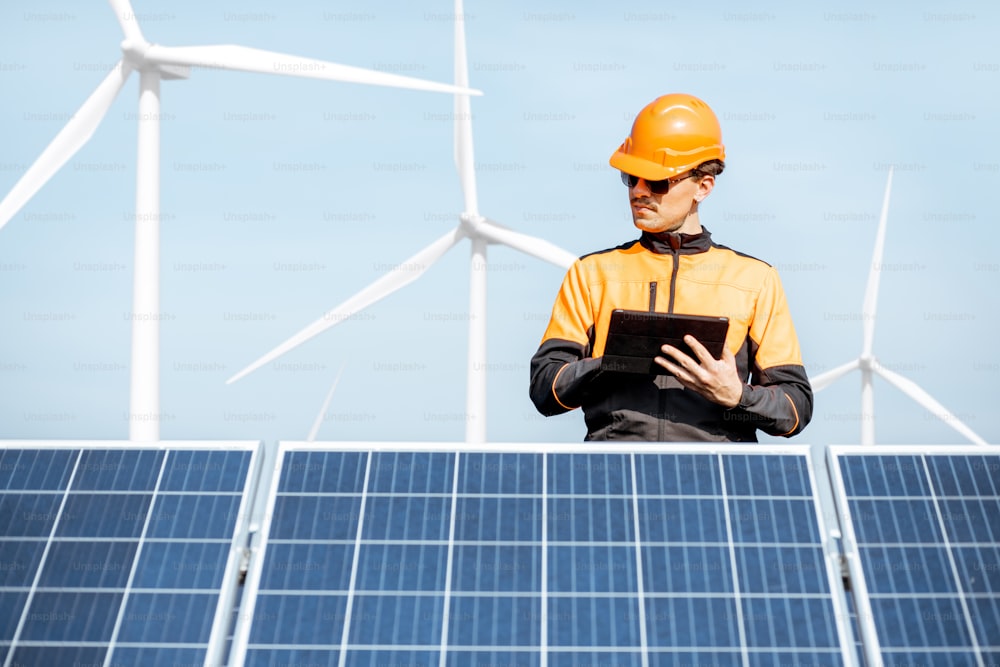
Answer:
(705, 185)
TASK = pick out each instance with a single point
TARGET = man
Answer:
(670, 163)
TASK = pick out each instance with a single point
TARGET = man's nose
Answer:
(641, 188)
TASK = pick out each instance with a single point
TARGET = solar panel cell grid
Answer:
(530, 558)
(385, 557)
(927, 531)
(115, 552)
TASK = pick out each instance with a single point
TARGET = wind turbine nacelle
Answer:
(136, 53)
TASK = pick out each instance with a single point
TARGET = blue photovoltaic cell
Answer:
(583, 474)
(413, 518)
(504, 474)
(505, 658)
(592, 569)
(773, 520)
(576, 519)
(27, 515)
(491, 518)
(967, 476)
(401, 567)
(496, 567)
(497, 620)
(916, 569)
(296, 656)
(794, 621)
(213, 472)
(884, 475)
(678, 475)
(761, 476)
(99, 515)
(707, 622)
(193, 565)
(687, 569)
(181, 618)
(37, 469)
(972, 520)
(927, 528)
(20, 562)
(594, 621)
(317, 472)
(619, 658)
(316, 518)
(397, 619)
(299, 618)
(88, 564)
(682, 520)
(308, 567)
(115, 553)
(786, 569)
(979, 568)
(409, 473)
(495, 558)
(106, 470)
(71, 616)
(159, 656)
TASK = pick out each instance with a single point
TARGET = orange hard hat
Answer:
(671, 135)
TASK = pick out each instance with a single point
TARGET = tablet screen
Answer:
(635, 337)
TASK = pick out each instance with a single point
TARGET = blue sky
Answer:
(281, 197)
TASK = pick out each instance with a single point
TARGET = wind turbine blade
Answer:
(829, 377)
(464, 159)
(322, 411)
(911, 389)
(245, 59)
(71, 138)
(530, 245)
(874, 272)
(126, 19)
(404, 274)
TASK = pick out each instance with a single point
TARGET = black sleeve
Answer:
(779, 401)
(560, 375)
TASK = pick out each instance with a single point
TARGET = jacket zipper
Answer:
(673, 278)
(674, 246)
(652, 296)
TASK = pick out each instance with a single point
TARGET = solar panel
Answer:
(392, 554)
(922, 537)
(121, 554)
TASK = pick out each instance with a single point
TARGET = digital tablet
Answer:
(636, 336)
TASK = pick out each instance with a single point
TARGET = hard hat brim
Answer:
(653, 171)
(643, 168)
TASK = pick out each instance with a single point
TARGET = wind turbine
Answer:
(155, 62)
(479, 230)
(869, 365)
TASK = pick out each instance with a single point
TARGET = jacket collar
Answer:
(664, 243)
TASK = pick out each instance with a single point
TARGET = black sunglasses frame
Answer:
(656, 187)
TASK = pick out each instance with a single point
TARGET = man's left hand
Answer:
(715, 379)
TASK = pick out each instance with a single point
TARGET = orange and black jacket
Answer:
(677, 273)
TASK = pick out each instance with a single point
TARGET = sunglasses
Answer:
(656, 187)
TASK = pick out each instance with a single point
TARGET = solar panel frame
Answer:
(934, 534)
(827, 542)
(85, 480)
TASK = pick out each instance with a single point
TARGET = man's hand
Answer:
(715, 379)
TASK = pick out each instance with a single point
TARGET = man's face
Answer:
(674, 211)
